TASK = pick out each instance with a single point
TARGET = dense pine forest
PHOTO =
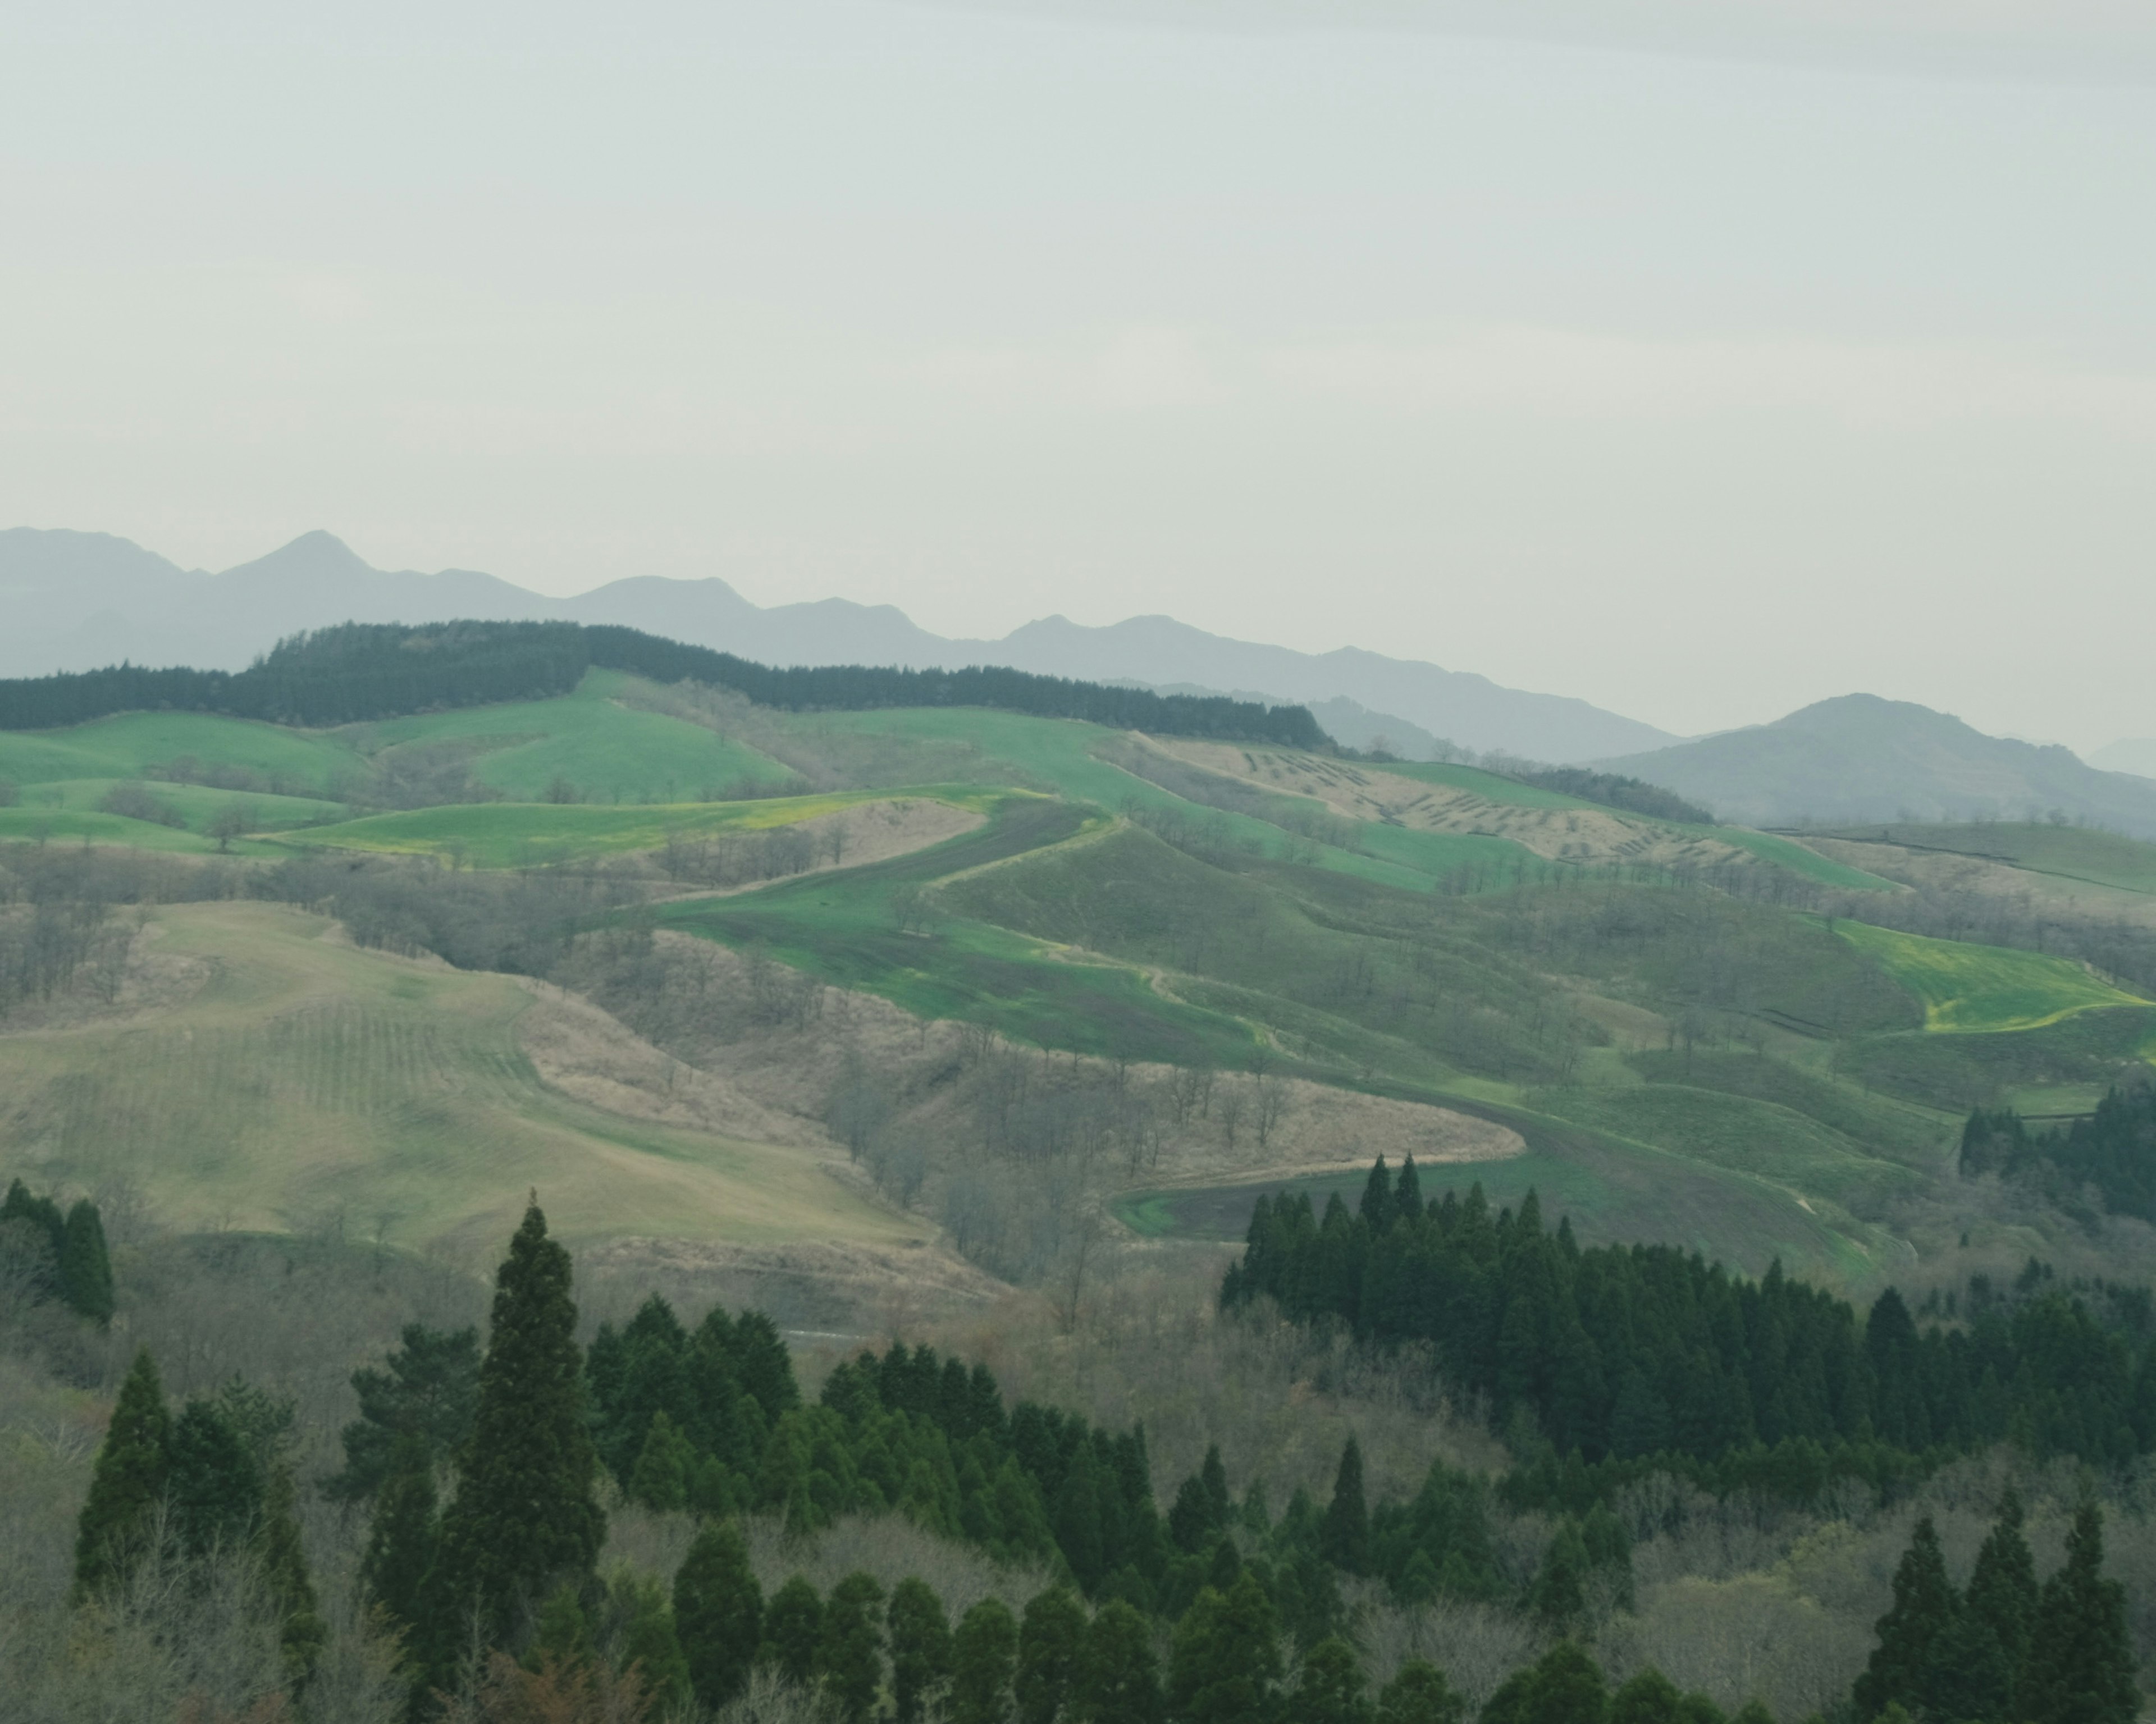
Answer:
(1621, 1353)
(359, 671)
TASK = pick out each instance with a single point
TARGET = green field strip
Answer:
(844, 927)
(589, 741)
(196, 804)
(527, 834)
(1971, 989)
(127, 745)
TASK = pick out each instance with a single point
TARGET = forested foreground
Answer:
(664, 1524)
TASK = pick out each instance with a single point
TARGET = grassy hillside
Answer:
(305, 1079)
(1984, 989)
(2075, 853)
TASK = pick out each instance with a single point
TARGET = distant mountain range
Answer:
(1861, 758)
(2137, 755)
(75, 601)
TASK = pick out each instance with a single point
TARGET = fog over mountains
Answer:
(73, 601)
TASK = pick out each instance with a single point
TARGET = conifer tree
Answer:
(1330, 1687)
(301, 1631)
(2081, 1666)
(562, 1640)
(1646, 1697)
(851, 1651)
(213, 1484)
(1982, 1656)
(719, 1617)
(1559, 1592)
(1118, 1675)
(649, 1645)
(1225, 1661)
(1343, 1537)
(920, 1632)
(524, 1516)
(984, 1649)
(793, 1631)
(127, 1484)
(85, 1268)
(1050, 1635)
(1904, 1665)
(659, 1480)
(1419, 1693)
(400, 1543)
(428, 1388)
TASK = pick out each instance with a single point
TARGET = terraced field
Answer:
(295, 1081)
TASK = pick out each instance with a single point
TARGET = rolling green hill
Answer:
(1436, 934)
(2075, 853)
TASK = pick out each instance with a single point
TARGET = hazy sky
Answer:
(1740, 354)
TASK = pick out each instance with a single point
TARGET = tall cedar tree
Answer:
(982, 1651)
(650, 1645)
(920, 1631)
(214, 1483)
(1419, 1693)
(2081, 1664)
(718, 1614)
(1118, 1678)
(1566, 1686)
(1225, 1664)
(127, 1485)
(1330, 1688)
(401, 1541)
(1050, 1637)
(1981, 1658)
(85, 1268)
(524, 1515)
(1343, 1539)
(428, 1388)
(302, 1632)
(1913, 1634)
(852, 1649)
(793, 1631)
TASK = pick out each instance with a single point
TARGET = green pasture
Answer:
(35, 825)
(127, 745)
(1968, 988)
(1057, 753)
(847, 927)
(196, 804)
(2072, 1057)
(586, 739)
(531, 834)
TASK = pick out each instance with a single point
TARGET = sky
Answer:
(1701, 358)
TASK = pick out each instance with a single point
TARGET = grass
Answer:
(2077, 853)
(846, 928)
(2075, 1056)
(608, 751)
(127, 745)
(1970, 989)
(308, 1077)
(525, 835)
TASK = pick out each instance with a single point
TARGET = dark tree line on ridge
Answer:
(1624, 1355)
(356, 671)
